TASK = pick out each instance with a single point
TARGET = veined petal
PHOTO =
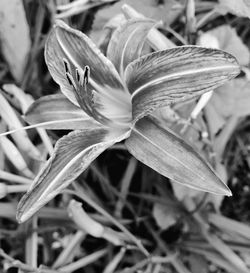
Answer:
(57, 112)
(72, 155)
(68, 54)
(171, 156)
(127, 41)
(176, 74)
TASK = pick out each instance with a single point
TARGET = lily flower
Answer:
(105, 100)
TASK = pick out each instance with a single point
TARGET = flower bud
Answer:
(83, 221)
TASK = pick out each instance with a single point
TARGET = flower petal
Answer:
(73, 154)
(171, 156)
(176, 74)
(69, 54)
(57, 112)
(127, 41)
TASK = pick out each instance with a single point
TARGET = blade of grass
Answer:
(80, 193)
(31, 244)
(158, 260)
(76, 3)
(104, 180)
(13, 178)
(222, 139)
(157, 268)
(15, 157)
(190, 20)
(215, 258)
(112, 265)
(8, 210)
(79, 8)
(63, 257)
(215, 241)
(201, 244)
(125, 184)
(84, 261)
(7, 189)
(21, 139)
(174, 261)
(231, 225)
(17, 263)
(25, 101)
(36, 45)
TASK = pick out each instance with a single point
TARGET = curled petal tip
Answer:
(20, 217)
(23, 212)
(224, 191)
(229, 193)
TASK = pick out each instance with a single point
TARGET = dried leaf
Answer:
(14, 36)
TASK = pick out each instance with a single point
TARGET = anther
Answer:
(66, 66)
(69, 79)
(77, 75)
(86, 74)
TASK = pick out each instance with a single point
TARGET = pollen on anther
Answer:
(66, 66)
(69, 79)
(86, 74)
(77, 75)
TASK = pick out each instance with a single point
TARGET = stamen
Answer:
(77, 75)
(69, 78)
(66, 65)
(85, 95)
(86, 74)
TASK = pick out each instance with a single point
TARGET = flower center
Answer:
(107, 105)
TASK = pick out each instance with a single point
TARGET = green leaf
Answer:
(127, 41)
(72, 155)
(100, 93)
(177, 74)
(57, 112)
(171, 156)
